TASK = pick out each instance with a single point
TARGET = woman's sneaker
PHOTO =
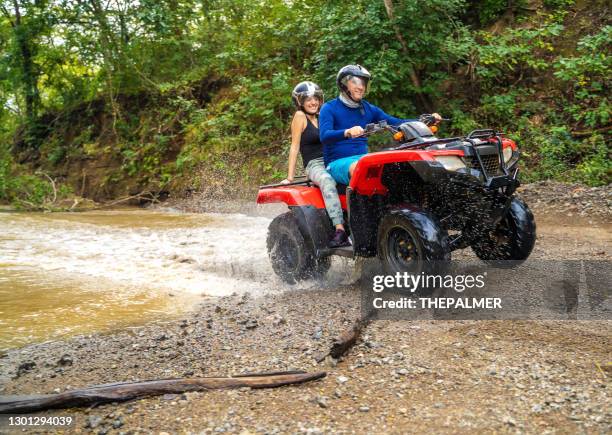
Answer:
(340, 239)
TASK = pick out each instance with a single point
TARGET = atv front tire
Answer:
(292, 258)
(411, 240)
(512, 240)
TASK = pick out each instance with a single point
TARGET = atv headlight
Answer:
(507, 154)
(450, 163)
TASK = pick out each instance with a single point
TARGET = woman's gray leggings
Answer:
(318, 175)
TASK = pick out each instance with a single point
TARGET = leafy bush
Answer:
(596, 167)
(490, 10)
(558, 4)
(29, 192)
(588, 76)
(557, 155)
(514, 55)
(5, 175)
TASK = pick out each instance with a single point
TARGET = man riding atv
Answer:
(343, 119)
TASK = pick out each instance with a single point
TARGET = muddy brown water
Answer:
(77, 273)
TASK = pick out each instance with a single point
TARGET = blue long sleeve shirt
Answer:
(335, 117)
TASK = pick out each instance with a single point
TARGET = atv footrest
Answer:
(345, 251)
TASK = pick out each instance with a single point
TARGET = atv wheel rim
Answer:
(402, 248)
(501, 237)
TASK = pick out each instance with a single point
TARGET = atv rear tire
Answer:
(411, 240)
(512, 240)
(292, 258)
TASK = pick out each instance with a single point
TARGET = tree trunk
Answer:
(28, 73)
(414, 78)
(30, 81)
(111, 54)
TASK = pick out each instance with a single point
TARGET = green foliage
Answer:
(558, 4)
(155, 89)
(484, 13)
(29, 192)
(364, 34)
(508, 58)
(559, 150)
(490, 10)
(5, 175)
(596, 167)
(588, 76)
(593, 63)
(462, 122)
(252, 116)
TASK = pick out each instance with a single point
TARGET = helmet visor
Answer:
(358, 83)
(303, 96)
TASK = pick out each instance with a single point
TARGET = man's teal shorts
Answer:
(339, 169)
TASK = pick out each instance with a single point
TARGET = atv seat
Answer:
(341, 188)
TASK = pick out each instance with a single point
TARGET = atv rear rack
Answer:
(304, 181)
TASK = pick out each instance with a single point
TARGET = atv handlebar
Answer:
(428, 119)
(377, 127)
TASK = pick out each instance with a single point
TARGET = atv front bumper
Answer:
(509, 182)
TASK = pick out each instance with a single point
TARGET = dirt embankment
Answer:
(440, 376)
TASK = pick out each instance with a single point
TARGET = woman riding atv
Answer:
(308, 98)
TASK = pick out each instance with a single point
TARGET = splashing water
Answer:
(67, 273)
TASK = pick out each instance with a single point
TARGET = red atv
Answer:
(410, 205)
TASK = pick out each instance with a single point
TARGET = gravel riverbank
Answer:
(404, 376)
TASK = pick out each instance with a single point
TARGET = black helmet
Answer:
(304, 90)
(348, 71)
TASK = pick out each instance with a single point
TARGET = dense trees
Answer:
(161, 85)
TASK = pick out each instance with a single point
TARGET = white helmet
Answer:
(305, 90)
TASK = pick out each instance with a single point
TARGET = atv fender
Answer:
(292, 196)
(366, 179)
(315, 226)
(296, 196)
(427, 222)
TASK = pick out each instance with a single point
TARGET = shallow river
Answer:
(76, 273)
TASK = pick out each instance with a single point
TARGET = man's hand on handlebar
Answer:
(355, 131)
(432, 119)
